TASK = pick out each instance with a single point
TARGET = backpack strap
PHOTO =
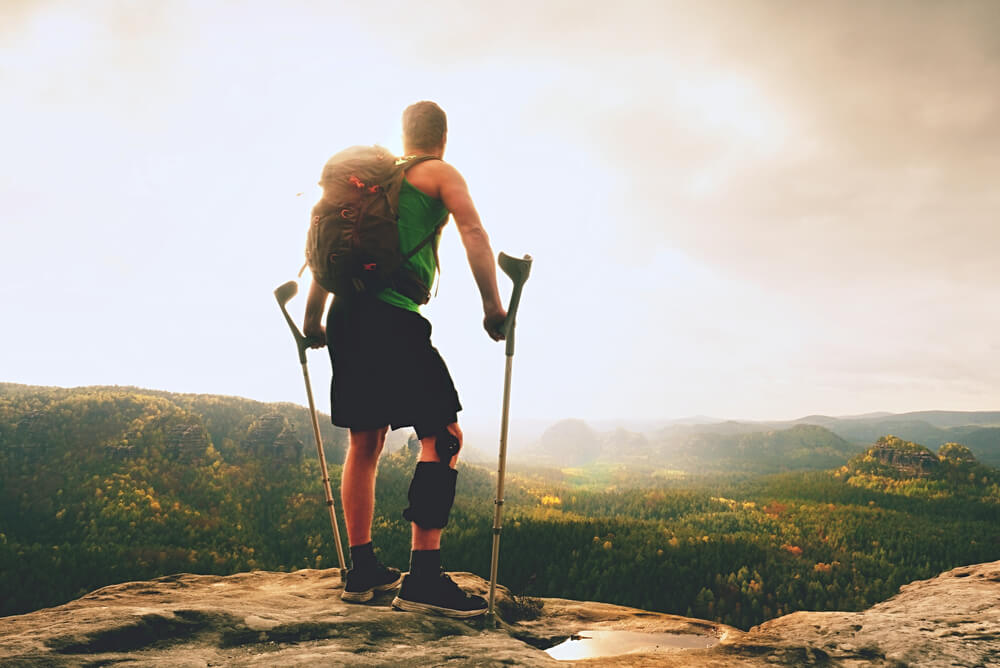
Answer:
(411, 160)
(426, 240)
(408, 162)
(437, 264)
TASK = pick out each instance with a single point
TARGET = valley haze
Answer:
(559, 442)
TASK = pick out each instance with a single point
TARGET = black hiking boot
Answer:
(437, 595)
(362, 583)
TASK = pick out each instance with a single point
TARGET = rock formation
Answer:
(28, 439)
(187, 439)
(298, 619)
(121, 452)
(910, 464)
(907, 459)
(272, 435)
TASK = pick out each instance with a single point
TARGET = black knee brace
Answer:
(447, 445)
(432, 493)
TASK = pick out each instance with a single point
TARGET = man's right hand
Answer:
(312, 325)
(315, 334)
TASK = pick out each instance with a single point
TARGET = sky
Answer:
(747, 209)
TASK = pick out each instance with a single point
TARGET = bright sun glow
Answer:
(58, 35)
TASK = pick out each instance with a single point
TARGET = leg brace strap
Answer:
(446, 444)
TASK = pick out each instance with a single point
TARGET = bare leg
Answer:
(430, 539)
(357, 486)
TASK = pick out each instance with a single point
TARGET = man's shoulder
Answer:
(430, 175)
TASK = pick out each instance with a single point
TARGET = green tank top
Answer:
(419, 215)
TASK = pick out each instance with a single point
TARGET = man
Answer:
(387, 374)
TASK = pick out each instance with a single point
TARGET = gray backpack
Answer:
(353, 243)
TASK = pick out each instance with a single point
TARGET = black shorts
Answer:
(385, 370)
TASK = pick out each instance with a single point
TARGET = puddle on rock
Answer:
(592, 644)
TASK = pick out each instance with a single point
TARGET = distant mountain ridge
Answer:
(723, 447)
(979, 430)
(811, 442)
(696, 444)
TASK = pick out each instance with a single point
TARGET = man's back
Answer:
(421, 219)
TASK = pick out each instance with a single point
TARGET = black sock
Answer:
(425, 562)
(363, 556)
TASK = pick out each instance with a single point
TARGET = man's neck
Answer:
(437, 152)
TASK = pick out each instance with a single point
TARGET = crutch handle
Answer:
(518, 270)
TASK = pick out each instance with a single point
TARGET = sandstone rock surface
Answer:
(297, 619)
(950, 620)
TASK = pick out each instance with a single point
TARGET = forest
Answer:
(110, 484)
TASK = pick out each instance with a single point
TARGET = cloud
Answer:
(883, 120)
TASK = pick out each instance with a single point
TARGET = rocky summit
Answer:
(297, 619)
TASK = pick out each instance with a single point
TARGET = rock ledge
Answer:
(290, 619)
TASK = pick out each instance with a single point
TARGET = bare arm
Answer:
(312, 325)
(456, 198)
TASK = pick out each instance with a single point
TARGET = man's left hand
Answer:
(493, 324)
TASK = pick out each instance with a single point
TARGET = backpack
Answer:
(353, 247)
